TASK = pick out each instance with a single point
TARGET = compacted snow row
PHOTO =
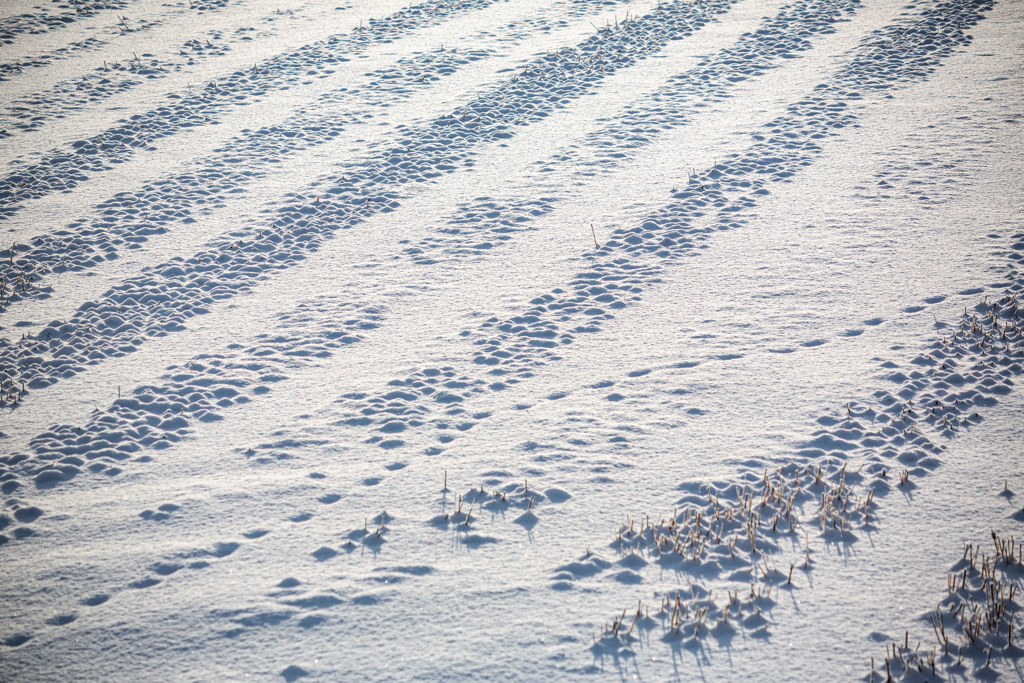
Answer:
(423, 403)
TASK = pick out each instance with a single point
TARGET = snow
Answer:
(535, 340)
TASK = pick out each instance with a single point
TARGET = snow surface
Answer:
(391, 341)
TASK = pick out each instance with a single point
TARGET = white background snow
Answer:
(276, 271)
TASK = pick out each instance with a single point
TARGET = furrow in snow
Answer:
(276, 490)
(535, 336)
(170, 65)
(560, 130)
(539, 333)
(305, 140)
(35, 20)
(812, 79)
(293, 228)
(144, 27)
(272, 80)
(115, 78)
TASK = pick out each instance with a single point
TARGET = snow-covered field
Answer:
(511, 340)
